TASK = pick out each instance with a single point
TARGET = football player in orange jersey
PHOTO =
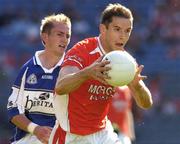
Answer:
(82, 94)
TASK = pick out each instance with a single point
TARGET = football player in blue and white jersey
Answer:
(30, 107)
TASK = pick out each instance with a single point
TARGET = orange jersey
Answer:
(85, 109)
(119, 108)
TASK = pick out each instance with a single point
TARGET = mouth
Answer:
(62, 46)
(120, 44)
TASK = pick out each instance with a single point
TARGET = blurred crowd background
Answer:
(155, 43)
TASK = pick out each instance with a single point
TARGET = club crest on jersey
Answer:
(32, 79)
(74, 57)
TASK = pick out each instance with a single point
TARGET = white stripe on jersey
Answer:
(61, 111)
(13, 98)
(21, 94)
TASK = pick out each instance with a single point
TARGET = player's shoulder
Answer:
(28, 64)
(86, 45)
(24, 68)
(89, 41)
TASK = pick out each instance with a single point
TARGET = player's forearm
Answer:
(70, 82)
(21, 121)
(142, 95)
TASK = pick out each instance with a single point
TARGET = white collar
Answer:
(100, 46)
(38, 62)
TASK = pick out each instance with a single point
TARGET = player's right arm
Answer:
(140, 91)
(41, 132)
(71, 77)
(16, 109)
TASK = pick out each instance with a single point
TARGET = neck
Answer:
(48, 60)
(104, 44)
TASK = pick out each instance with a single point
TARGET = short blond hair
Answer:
(48, 22)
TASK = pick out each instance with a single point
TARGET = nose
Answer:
(64, 39)
(122, 35)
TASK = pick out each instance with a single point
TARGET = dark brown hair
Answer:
(115, 10)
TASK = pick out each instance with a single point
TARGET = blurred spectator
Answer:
(155, 89)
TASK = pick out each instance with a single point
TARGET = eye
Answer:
(128, 30)
(59, 34)
(117, 29)
(67, 36)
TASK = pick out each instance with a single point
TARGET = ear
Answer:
(102, 28)
(44, 38)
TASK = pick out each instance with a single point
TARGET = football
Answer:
(123, 68)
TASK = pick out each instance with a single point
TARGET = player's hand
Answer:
(43, 133)
(138, 76)
(98, 70)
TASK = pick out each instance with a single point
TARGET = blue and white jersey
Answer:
(32, 94)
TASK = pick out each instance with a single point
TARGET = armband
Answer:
(31, 127)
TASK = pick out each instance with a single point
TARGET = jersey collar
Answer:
(37, 61)
(100, 46)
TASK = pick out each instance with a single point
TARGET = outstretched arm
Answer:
(139, 90)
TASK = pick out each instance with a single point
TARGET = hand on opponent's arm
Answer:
(41, 132)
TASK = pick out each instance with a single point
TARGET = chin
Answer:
(58, 53)
(121, 48)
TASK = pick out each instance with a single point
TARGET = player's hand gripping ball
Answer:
(123, 68)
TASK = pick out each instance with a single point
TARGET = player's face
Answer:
(58, 39)
(117, 33)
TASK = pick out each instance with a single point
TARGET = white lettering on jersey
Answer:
(47, 77)
(103, 91)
